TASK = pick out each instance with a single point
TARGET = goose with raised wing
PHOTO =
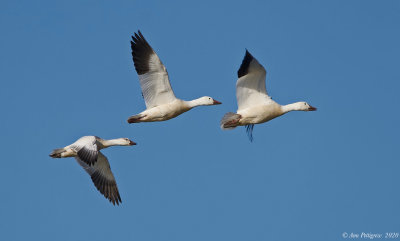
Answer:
(161, 103)
(86, 151)
(255, 106)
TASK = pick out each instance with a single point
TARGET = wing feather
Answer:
(86, 149)
(153, 76)
(250, 87)
(102, 178)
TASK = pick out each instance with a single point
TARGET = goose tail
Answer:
(56, 153)
(230, 121)
(135, 118)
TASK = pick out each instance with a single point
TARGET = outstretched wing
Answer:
(102, 178)
(250, 87)
(153, 76)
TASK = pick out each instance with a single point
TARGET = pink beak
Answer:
(216, 102)
(312, 108)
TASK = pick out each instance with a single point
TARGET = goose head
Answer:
(125, 142)
(304, 106)
(206, 100)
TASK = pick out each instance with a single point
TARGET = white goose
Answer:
(254, 104)
(86, 151)
(161, 102)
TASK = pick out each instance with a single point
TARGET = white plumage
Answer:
(250, 88)
(255, 106)
(161, 103)
(86, 151)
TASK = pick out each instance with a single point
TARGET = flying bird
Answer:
(255, 106)
(161, 103)
(86, 151)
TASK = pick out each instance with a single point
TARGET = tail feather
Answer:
(135, 118)
(230, 121)
(57, 153)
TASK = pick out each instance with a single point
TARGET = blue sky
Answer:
(66, 71)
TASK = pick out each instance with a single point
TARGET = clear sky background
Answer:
(66, 71)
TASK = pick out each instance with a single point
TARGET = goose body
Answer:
(162, 112)
(255, 106)
(86, 151)
(161, 103)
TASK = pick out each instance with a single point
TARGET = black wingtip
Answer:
(141, 52)
(140, 34)
(106, 187)
(244, 67)
(116, 200)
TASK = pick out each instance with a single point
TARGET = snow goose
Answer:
(86, 151)
(161, 103)
(254, 104)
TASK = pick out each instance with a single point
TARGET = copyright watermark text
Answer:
(368, 235)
